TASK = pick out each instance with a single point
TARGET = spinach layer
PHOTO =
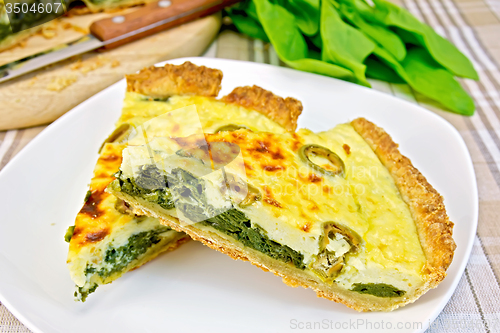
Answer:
(150, 185)
(235, 224)
(377, 289)
(116, 259)
(190, 199)
(120, 257)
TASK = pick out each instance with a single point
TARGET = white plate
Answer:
(196, 288)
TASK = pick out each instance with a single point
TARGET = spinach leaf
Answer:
(352, 40)
(380, 34)
(290, 45)
(251, 10)
(427, 77)
(244, 17)
(338, 46)
(442, 50)
(316, 40)
(406, 37)
(281, 28)
(321, 67)
(306, 13)
(376, 69)
(248, 26)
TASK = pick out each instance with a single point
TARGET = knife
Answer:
(118, 30)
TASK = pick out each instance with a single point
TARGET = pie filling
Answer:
(231, 222)
(140, 239)
(189, 195)
(129, 242)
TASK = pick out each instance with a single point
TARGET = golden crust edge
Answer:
(426, 205)
(290, 275)
(204, 81)
(284, 111)
(169, 80)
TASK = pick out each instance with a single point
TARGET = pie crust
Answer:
(284, 111)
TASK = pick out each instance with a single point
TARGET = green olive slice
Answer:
(123, 207)
(351, 236)
(308, 151)
(253, 195)
(118, 135)
(230, 128)
(240, 188)
(327, 266)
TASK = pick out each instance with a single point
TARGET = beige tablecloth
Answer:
(474, 26)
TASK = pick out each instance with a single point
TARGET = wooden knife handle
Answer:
(152, 18)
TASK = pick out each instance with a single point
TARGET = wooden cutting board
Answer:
(41, 97)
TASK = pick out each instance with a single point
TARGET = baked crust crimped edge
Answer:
(426, 205)
(190, 79)
(185, 79)
(284, 111)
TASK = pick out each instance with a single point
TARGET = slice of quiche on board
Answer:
(8, 39)
(341, 211)
(107, 239)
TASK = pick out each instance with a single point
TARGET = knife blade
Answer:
(118, 30)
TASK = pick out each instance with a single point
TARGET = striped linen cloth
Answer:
(474, 26)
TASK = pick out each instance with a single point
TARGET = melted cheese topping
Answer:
(297, 201)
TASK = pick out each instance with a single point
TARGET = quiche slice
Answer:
(341, 211)
(9, 39)
(107, 239)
